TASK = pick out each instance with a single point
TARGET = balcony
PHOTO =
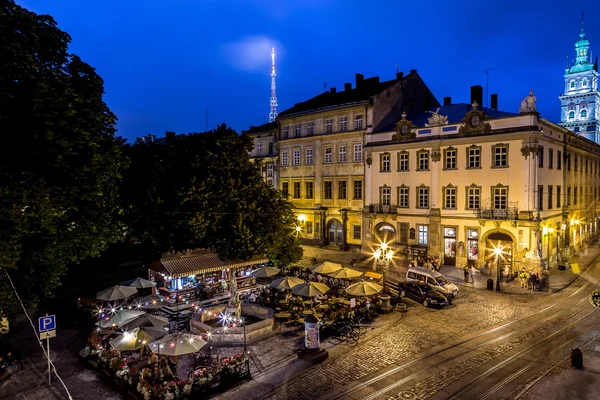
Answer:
(383, 209)
(510, 213)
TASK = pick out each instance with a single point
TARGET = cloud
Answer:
(252, 53)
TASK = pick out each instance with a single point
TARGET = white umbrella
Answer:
(310, 289)
(177, 344)
(327, 268)
(364, 288)
(345, 273)
(146, 320)
(265, 272)
(142, 283)
(154, 331)
(132, 340)
(287, 282)
(120, 318)
(116, 293)
(154, 301)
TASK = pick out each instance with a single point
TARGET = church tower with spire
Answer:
(580, 102)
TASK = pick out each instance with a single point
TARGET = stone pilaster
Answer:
(434, 248)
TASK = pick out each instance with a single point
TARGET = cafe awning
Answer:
(198, 262)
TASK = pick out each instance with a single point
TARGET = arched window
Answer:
(584, 82)
(572, 84)
(583, 113)
(571, 114)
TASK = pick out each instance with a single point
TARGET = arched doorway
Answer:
(499, 248)
(336, 232)
(385, 232)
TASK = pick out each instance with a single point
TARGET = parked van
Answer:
(433, 278)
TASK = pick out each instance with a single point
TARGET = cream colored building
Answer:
(464, 180)
(265, 150)
(321, 153)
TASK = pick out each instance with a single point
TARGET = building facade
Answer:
(580, 102)
(321, 153)
(265, 150)
(470, 185)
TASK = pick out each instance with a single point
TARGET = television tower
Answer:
(273, 113)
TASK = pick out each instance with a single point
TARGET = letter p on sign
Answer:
(47, 323)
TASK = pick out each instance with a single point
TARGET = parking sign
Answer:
(47, 323)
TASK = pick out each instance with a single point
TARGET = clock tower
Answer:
(580, 102)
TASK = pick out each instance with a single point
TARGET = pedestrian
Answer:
(473, 274)
(507, 273)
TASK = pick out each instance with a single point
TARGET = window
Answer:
(422, 234)
(309, 156)
(296, 158)
(271, 152)
(328, 192)
(358, 156)
(309, 227)
(474, 157)
(385, 194)
(500, 197)
(286, 132)
(423, 161)
(342, 190)
(284, 158)
(328, 125)
(328, 155)
(285, 188)
(450, 158)
(296, 190)
(540, 197)
(473, 198)
(558, 196)
(298, 130)
(403, 161)
(403, 196)
(500, 156)
(575, 195)
(384, 162)
(309, 190)
(450, 198)
(558, 159)
(356, 232)
(584, 82)
(583, 113)
(310, 128)
(270, 169)
(572, 84)
(576, 162)
(342, 154)
(568, 195)
(571, 114)
(541, 157)
(317, 229)
(343, 124)
(568, 162)
(358, 122)
(358, 190)
(423, 197)
(550, 158)
(258, 149)
(550, 194)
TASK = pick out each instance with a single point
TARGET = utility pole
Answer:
(487, 85)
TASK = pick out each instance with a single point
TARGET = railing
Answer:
(383, 209)
(506, 214)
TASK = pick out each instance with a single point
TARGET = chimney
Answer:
(477, 94)
(332, 90)
(494, 101)
(447, 100)
(347, 86)
(359, 79)
(399, 75)
(413, 71)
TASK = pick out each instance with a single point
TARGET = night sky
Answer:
(165, 61)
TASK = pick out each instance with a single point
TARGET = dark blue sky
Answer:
(165, 61)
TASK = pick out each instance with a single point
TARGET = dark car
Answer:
(423, 293)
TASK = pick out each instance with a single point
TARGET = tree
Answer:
(202, 190)
(60, 162)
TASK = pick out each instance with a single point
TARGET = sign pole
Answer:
(49, 366)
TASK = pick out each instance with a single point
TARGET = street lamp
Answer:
(383, 255)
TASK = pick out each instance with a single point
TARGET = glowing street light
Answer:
(383, 254)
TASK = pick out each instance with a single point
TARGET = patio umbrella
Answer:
(142, 283)
(265, 272)
(177, 344)
(116, 293)
(146, 320)
(310, 289)
(327, 268)
(152, 302)
(345, 273)
(132, 340)
(287, 282)
(120, 318)
(154, 331)
(364, 289)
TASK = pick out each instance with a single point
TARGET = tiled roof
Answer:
(369, 87)
(269, 126)
(198, 262)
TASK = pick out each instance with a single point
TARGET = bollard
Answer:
(577, 358)
(490, 284)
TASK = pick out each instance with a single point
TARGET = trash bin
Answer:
(490, 284)
(576, 358)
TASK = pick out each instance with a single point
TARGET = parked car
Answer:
(423, 293)
(434, 279)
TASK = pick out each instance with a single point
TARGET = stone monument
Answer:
(234, 307)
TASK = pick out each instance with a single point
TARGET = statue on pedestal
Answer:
(234, 307)
(528, 103)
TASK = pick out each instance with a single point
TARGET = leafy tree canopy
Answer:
(60, 162)
(202, 190)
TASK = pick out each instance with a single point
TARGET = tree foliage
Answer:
(202, 190)
(60, 162)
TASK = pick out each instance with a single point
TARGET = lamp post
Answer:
(383, 255)
(497, 252)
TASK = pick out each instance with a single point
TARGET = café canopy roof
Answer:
(198, 262)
